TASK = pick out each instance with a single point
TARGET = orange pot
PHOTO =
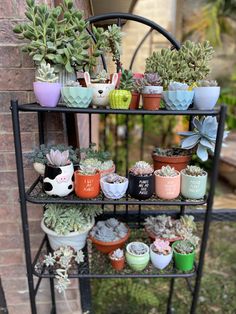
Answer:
(177, 162)
(167, 188)
(134, 101)
(151, 101)
(117, 264)
(87, 186)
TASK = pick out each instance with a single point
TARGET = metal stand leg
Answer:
(85, 295)
(169, 303)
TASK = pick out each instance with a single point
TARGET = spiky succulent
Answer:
(184, 247)
(138, 248)
(203, 137)
(161, 247)
(46, 73)
(152, 79)
(114, 178)
(167, 171)
(174, 86)
(141, 168)
(194, 171)
(57, 158)
(127, 80)
(207, 83)
(117, 254)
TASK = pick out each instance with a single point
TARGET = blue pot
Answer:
(178, 100)
(77, 97)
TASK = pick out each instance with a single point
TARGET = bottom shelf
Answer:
(97, 264)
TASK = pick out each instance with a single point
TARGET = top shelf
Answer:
(34, 107)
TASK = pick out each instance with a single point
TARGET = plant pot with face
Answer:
(137, 255)
(46, 91)
(141, 181)
(160, 253)
(114, 186)
(206, 95)
(58, 176)
(177, 158)
(152, 91)
(167, 183)
(109, 235)
(184, 255)
(117, 259)
(193, 182)
(76, 96)
(178, 96)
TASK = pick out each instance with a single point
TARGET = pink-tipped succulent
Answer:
(161, 247)
(57, 158)
(141, 168)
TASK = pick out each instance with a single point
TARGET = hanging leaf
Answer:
(202, 152)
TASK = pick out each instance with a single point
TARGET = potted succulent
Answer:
(61, 260)
(100, 87)
(178, 96)
(193, 182)
(137, 255)
(76, 96)
(184, 255)
(152, 91)
(87, 179)
(121, 98)
(206, 94)
(117, 259)
(68, 224)
(141, 180)
(58, 176)
(160, 253)
(109, 235)
(136, 91)
(203, 138)
(46, 91)
(177, 158)
(114, 186)
(167, 183)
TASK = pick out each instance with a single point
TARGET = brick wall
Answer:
(16, 77)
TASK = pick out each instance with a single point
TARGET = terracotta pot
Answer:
(134, 101)
(108, 247)
(153, 237)
(177, 162)
(167, 188)
(151, 101)
(108, 171)
(117, 264)
(87, 186)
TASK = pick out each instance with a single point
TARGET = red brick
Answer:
(7, 9)
(8, 161)
(11, 257)
(11, 242)
(16, 79)
(9, 229)
(8, 196)
(18, 271)
(9, 56)
(9, 178)
(14, 284)
(29, 122)
(19, 308)
(6, 97)
(34, 226)
(27, 61)
(35, 212)
(7, 36)
(36, 240)
(7, 142)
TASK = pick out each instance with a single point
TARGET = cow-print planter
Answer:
(58, 181)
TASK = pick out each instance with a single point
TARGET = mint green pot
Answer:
(137, 262)
(77, 97)
(193, 187)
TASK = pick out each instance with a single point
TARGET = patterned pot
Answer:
(114, 190)
(178, 100)
(120, 99)
(77, 97)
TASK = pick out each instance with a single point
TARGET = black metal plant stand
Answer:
(126, 205)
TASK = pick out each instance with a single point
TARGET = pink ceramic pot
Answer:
(47, 94)
(167, 188)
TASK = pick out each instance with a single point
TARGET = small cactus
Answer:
(167, 171)
(46, 73)
(57, 158)
(126, 80)
(194, 171)
(141, 168)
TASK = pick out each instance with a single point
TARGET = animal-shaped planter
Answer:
(58, 180)
(101, 90)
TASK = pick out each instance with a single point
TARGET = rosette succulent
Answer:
(46, 73)
(194, 171)
(167, 171)
(141, 168)
(57, 158)
(207, 83)
(161, 247)
(174, 86)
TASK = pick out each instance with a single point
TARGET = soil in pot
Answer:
(151, 101)
(141, 187)
(87, 186)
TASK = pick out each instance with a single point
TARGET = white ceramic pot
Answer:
(114, 190)
(205, 98)
(160, 261)
(39, 167)
(152, 90)
(77, 240)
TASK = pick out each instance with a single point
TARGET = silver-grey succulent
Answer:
(109, 230)
(138, 248)
(184, 247)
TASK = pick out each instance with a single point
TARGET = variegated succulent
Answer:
(167, 171)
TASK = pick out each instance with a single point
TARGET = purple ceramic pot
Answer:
(47, 94)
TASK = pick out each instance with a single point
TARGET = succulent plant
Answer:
(91, 152)
(152, 79)
(117, 254)
(109, 230)
(207, 83)
(72, 84)
(101, 77)
(194, 171)
(89, 166)
(127, 80)
(161, 247)
(138, 85)
(138, 248)
(46, 73)
(174, 86)
(114, 178)
(170, 151)
(167, 171)
(141, 168)
(57, 158)
(62, 259)
(190, 64)
(184, 247)
(64, 219)
(203, 137)
(105, 165)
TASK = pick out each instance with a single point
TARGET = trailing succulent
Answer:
(109, 230)
(117, 255)
(167, 171)
(114, 178)
(141, 168)
(187, 65)
(138, 248)
(184, 247)
(46, 73)
(203, 137)
(64, 219)
(161, 247)
(194, 171)
(57, 158)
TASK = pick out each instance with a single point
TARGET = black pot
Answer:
(141, 187)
